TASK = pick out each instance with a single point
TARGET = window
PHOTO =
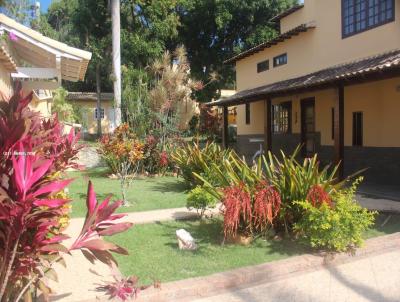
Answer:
(280, 60)
(101, 113)
(361, 15)
(247, 114)
(263, 66)
(282, 118)
(357, 128)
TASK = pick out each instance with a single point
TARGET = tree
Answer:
(214, 31)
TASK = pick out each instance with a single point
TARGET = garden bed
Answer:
(154, 253)
(145, 193)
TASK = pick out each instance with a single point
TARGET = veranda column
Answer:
(225, 127)
(339, 131)
(267, 125)
(116, 53)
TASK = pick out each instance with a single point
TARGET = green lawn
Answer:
(154, 252)
(144, 194)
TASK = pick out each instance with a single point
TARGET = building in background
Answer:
(329, 81)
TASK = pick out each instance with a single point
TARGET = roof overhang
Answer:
(40, 51)
(287, 12)
(372, 68)
(281, 38)
(89, 96)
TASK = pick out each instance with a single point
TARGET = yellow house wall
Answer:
(5, 82)
(90, 119)
(42, 106)
(318, 48)
(379, 101)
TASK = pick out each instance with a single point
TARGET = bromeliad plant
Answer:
(32, 151)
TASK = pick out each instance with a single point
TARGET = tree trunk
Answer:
(98, 90)
(116, 50)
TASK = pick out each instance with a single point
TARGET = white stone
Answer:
(185, 240)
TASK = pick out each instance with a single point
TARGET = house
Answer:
(37, 62)
(88, 103)
(331, 81)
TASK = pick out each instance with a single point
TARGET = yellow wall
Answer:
(5, 82)
(42, 106)
(90, 107)
(379, 101)
(318, 48)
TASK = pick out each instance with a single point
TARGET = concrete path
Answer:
(373, 279)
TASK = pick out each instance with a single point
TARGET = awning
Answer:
(89, 96)
(364, 68)
(40, 51)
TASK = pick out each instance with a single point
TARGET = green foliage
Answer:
(64, 110)
(201, 200)
(135, 101)
(194, 162)
(337, 228)
(293, 180)
(214, 31)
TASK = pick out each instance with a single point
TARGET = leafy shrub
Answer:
(249, 212)
(293, 180)
(122, 152)
(201, 200)
(191, 159)
(31, 207)
(338, 227)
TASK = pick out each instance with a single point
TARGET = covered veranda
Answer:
(340, 78)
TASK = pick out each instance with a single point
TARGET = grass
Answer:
(144, 194)
(154, 253)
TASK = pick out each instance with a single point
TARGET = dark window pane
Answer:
(357, 128)
(281, 118)
(360, 15)
(247, 114)
(263, 66)
(280, 60)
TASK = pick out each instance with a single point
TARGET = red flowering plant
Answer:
(318, 196)
(33, 150)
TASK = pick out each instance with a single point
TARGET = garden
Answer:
(278, 207)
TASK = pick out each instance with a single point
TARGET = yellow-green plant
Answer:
(294, 179)
(338, 227)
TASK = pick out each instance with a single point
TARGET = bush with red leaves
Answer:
(317, 196)
(247, 212)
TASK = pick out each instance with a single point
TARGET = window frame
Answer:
(283, 106)
(358, 141)
(247, 113)
(102, 113)
(367, 8)
(280, 56)
(260, 63)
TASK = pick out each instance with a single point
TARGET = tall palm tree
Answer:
(116, 53)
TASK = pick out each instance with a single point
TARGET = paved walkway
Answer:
(373, 279)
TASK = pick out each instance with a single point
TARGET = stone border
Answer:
(201, 287)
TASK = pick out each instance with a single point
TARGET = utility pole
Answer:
(98, 90)
(116, 54)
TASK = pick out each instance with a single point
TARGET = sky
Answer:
(44, 4)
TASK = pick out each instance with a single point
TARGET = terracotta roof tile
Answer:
(352, 70)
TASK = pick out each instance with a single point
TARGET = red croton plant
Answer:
(33, 152)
